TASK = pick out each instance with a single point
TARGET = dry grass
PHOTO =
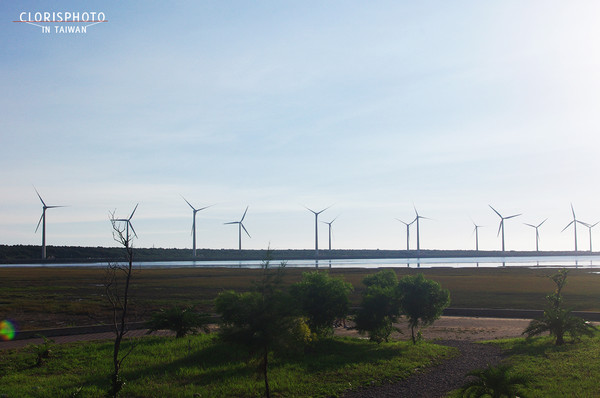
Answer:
(49, 297)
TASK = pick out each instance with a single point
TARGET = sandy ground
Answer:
(460, 328)
(445, 328)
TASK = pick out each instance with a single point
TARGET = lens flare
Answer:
(7, 330)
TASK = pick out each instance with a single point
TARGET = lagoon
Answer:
(583, 261)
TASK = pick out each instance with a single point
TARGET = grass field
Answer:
(203, 366)
(161, 367)
(570, 370)
(48, 297)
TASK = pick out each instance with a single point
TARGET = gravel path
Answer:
(439, 380)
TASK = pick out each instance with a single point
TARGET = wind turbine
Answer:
(316, 213)
(329, 223)
(590, 226)
(537, 234)
(574, 222)
(417, 220)
(43, 222)
(407, 231)
(501, 227)
(240, 226)
(476, 230)
(194, 210)
(127, 221)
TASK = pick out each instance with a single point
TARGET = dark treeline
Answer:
(15, 254)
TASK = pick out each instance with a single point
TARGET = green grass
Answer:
(202, 364)
(570, 370)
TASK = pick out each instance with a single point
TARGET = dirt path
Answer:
(438, 381)
(459, 332)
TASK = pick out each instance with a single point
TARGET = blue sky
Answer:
(369, 107)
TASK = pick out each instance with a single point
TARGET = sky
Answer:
(372, 108)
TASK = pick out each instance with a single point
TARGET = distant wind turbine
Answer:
(537, 234)
(43, 222)
(574, 222)
(417, 220)
(316, 213)
(590, 226)
(501, 227)
(194, 210)
(329, 224)
(240, 227)
(127, 221)
(476, 231)
(407, 231)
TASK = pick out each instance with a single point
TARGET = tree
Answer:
(495, 382)
(558, 320)
(117, 280)
(379, 308)
(422, 301)
(262, 320)
(179, 320)
(322, 299)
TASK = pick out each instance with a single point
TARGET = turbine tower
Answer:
(417, 220)
(407, 231)
(537, 234)
(590, 226)
(240, 227)
(574, 222)
(43, 222)
(501, 227)
(476, 231)
(329, 224)
(127, 221)
(316, 213)
(194, 210)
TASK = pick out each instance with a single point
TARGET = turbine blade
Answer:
(134, 209)
(245, 230)
(500, 227)
(593, 225)
(403, 222)
(311, 210)
(246, 211)
(514, 215)
(324, 209)
(188, 202)
(568, 225)
(495, 211)
(53, 207)
(205, 207)
(533, 226)
(542, 223)
(232, 222)
(39, 222)
(40, 196)
(573, 210)
(131, 225)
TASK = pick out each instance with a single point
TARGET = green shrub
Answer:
(179, 320)
(322, 299)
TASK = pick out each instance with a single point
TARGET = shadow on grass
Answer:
(536, 346)
(220, 362)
